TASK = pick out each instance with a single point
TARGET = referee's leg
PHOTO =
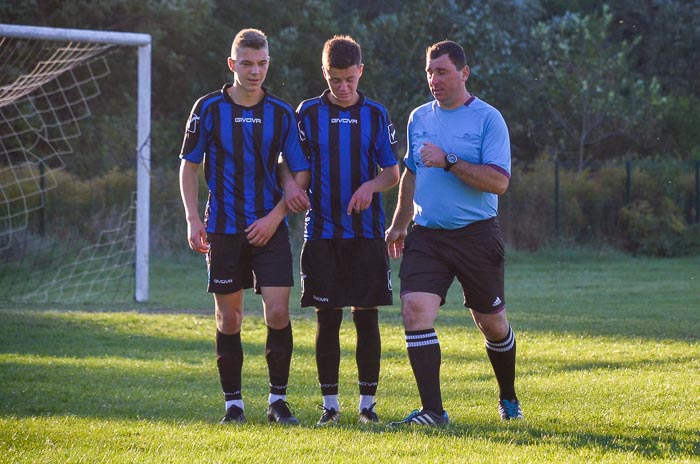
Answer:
(419, 311)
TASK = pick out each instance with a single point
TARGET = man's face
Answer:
(446, 81)
(343, 84)
(250, 67)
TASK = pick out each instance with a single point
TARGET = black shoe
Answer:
(367, 415)
(423, 417)
(279, 412)
(233, 414)
(329, 417)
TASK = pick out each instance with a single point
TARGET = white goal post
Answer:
(143, 154)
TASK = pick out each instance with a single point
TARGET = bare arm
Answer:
(189, 189)
(396, 233)
(362, 198)
(261, 231)
(479, 176)
(294, 186)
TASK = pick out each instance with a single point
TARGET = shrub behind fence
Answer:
(643, 206)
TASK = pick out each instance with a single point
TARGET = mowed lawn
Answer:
(608, 371)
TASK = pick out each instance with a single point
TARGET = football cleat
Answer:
(279, 413)
(423, 417)
(329, 417)
(510, 409)
(234, 414)
(368, 415)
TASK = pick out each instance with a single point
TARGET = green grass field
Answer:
(608, 371)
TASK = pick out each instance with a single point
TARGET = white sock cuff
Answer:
(503, 346)
(366, 402)
(331, 402)
(238, 403)
(272, 398)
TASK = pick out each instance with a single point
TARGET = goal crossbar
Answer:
(143, 148)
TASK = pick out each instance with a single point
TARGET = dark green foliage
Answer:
(634, 64)
(593, 207)
(587, 84)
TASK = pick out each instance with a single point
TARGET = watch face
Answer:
(451, 158)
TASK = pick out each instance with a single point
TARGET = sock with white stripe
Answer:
(278, 354)
(368, 350)
(424, 354)
(229, 361)
(328, 349)
(502, 356)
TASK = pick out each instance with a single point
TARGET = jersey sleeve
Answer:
(292, 151)
(387, 143)
(196, 134)
(408, 160)
(496, 143)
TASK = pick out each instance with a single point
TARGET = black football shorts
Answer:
(345, 272)
(474, 254)
(234, 264)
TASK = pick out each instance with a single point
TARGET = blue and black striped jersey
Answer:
(346, 147)
(240, 147)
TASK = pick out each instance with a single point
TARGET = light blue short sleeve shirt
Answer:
(475, 132)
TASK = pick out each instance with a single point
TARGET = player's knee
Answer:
(277, 315)
(494, 328)
(229, 322)
(415, 315)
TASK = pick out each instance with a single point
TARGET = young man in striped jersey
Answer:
(350, 141)
(238, 133)
(457, 164)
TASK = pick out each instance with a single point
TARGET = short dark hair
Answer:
(450, 48)
(341, 52)
(249, 38)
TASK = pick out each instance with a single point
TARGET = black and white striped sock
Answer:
(502, 356)
(424, 354)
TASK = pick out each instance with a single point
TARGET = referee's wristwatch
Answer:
(450, 160)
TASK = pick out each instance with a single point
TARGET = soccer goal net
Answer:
(74, 193)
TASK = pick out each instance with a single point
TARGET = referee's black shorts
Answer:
(345, 272)
(234, 264)
(475, 254)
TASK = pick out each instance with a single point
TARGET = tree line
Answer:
(582, 81)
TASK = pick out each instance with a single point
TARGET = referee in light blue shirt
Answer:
(457, 164)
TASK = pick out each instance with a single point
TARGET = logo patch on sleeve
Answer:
(192, 123)
(392, 133)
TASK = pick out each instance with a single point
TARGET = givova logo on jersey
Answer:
(344, 121)
(248, 120)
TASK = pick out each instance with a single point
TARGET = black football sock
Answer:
(229, 360)
(278, 353)
(425, 356)
(328, 323)
(502, 356)
(368, 349)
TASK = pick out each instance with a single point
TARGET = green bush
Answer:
(655, 229)
(593, 207)
(526, 209)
